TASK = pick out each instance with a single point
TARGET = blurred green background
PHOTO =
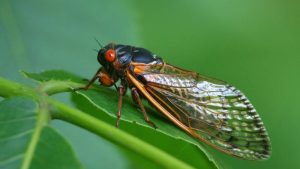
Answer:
(254, 45)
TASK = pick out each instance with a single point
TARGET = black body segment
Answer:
(127, 54)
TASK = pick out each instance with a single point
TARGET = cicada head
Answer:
(107, 57)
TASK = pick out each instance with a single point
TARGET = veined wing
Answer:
(216, 111)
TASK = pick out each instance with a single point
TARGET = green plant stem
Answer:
(9, 88)
(42, 121)
(79, 118)
(53, 87)
(116, 135)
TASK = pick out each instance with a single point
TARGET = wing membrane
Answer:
(214, 110)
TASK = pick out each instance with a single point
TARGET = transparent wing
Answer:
(213, 109)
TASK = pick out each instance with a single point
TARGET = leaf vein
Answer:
(18, 120)
(18, 135)
(10, 159)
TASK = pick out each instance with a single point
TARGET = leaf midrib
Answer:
(40, 124)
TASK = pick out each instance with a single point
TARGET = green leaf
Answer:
(53, 75)
(101, 103)
(27, 141)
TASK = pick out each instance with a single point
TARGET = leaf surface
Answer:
(28, 142)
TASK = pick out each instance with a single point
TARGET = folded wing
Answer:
(216, 111)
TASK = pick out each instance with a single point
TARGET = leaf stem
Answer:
(116, 135)
(9, 88)
(53, 86)
(42, 120)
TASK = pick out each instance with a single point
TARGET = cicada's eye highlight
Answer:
(110, 55)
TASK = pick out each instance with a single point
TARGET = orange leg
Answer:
(88, 85)
(121, 91)
(139, 102)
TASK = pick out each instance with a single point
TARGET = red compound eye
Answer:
(110, 55)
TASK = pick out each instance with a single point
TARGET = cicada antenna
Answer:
(98, 43)
(113, 44)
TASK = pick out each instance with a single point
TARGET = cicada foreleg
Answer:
(138, 100)
(90, 82)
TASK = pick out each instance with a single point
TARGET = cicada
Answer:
(208, 109)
